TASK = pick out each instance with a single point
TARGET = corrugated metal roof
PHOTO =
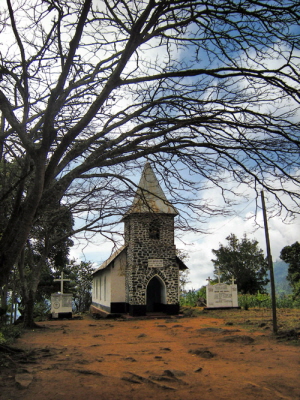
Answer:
(110, 259)
(150, 197)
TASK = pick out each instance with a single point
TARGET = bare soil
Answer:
(235, 356)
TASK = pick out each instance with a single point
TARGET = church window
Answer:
(154, 231)
(96, 288)
(105, 288)
(100, 288)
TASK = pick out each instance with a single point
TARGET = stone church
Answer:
(143, 275)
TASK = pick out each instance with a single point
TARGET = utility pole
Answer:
(270, 264)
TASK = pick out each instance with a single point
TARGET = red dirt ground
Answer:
(184, 358)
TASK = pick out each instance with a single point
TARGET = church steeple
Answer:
(149, 197)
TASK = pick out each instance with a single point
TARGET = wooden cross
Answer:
(62, 280)
(209, 279)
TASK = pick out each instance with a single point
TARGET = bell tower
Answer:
(152, 271)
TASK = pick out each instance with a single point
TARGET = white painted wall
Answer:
(102, 287)
(118, 279)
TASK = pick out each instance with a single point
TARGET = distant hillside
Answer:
(281, 283)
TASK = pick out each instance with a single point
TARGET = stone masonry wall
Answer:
(141, 248)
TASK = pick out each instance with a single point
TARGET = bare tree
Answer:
(206, 90)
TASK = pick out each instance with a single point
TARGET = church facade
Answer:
(143, 275)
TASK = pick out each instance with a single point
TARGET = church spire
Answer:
(149, 196)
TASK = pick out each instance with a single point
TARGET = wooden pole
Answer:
(270, 264)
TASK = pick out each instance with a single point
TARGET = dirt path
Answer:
(188, 358)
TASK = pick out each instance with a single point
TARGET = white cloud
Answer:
(200, 248)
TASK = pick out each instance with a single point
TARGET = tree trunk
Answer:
(28, 302)
(29, 288)
(3, 305)
(17, 231)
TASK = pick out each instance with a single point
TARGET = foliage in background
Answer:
(282, 285)
(8, 333)
(246, 301)
(46, 250)
(291, 255)
(244, 261)
(41, 310)
(81, 283)
(191, 297)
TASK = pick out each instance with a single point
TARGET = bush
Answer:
(8, 333)
(41, 310)
(2, 338)
(263, 300)
(190, 298)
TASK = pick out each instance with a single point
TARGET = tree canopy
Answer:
(291, 255)
(208, 91)
(80, 286)
(244, 261)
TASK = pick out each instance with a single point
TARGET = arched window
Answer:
(154, 230)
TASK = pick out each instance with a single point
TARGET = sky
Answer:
(199, 246)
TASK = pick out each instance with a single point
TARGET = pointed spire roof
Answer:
(149, 196)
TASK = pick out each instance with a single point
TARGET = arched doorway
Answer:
(156, 295)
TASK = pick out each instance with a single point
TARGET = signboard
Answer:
(155, 263)
(221, 295)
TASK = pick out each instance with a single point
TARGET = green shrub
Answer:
(190, 298)
(263, 300)
(41, 310)
(8, 333)
(2, 338)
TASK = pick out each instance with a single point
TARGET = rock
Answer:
(198, 369)
(85, 372)
(129, 359)
(217, 330)
(134, 378)
(173, 373)
(202, 353)
(131, 380)
(237, 339)
(23, 380)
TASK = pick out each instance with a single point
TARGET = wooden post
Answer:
(270, 264)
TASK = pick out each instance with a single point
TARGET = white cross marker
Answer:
(209, 279)
(219, 276)
(62, 280)
(232, 280)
